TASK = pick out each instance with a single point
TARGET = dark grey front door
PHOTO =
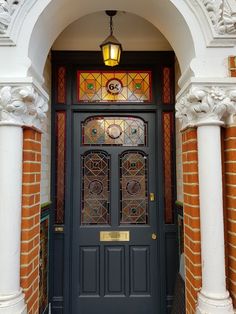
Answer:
(114, 262)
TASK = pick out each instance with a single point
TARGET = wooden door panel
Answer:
(89, 271)
(114, 269)
(140, 270)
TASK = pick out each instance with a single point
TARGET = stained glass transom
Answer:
(123, 131)
(133, 188)
(60, 165)
(167, 158)
(114, 86)
(95, 188)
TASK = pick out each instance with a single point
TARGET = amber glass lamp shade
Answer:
(111, 50)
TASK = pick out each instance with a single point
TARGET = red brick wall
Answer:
(192, 248)
(230, 207)
(30, 234)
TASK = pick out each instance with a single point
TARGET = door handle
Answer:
(152, 197)
(154, 236)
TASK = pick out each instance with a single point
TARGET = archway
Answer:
(36, 25)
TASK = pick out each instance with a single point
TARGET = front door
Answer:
(115, 252)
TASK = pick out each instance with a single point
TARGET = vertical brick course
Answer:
(192, 247)
(229, 147)
(30, 229)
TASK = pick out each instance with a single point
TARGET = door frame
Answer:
(131, 61)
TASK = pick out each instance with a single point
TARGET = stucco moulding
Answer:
(221, 15)
(12, 15)
(23, 104)
(206, 104)
(7, 10)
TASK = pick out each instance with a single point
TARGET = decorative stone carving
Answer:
(22, 105)
(222, 18)
(206, 104)
(7, 8)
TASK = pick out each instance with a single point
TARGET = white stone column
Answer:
(206, 107)
(19, 106)
(11, 143)
(213, 298)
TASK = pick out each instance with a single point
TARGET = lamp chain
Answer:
(111, 25)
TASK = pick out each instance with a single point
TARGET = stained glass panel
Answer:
(122, 131)
(60, 165)
(167, 158)
(166, 85)
(95, 188)
(61, 85)
(107, 86)
(133, 188)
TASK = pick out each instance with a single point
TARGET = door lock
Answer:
(154, 236)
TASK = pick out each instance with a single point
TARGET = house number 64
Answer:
(114, 86)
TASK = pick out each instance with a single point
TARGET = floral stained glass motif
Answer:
(61, 85)
(133, 188)
(110, 86)
(60, 165)
(167, 120)
(121, 131)
(95, 188)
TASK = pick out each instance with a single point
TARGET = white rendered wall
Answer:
(179, 170)
(46, 141)
(178, 143)
(134, 32)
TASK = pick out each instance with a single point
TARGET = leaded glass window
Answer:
(110, 86)
(95, 188)
(168, 134)
(61, 85)
(133, 188)
(122, 131)
(60, 166)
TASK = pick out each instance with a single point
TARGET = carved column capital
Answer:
(23, 105)
(206, 105)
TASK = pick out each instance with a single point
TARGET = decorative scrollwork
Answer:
(23, 105)
(206, 104)
(7, 8)
(222, 18)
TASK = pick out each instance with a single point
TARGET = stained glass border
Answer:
(61, 85)
(149, 101)
(168, 169)
(167, 93)
(60, 154)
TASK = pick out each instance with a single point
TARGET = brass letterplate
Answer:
(114, 236)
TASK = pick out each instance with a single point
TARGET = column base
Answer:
(207, 305)
(13, 304)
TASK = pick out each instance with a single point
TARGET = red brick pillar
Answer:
(192, 245)
(230, 202)
(30, 234)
